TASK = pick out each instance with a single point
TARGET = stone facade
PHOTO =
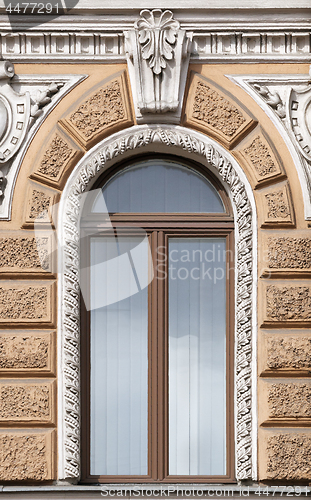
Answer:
(97, 107)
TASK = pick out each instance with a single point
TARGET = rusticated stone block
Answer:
(26, 303)
(27, 351)
(215, 112)
(289, 353)
(289, 400)
(289, 253)
(26, 455)
(288, 303)
(23, 253)
(58, 157)
(27, 402)
(288, 457)
(103, 112)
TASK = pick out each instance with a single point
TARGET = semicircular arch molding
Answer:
(185, 143)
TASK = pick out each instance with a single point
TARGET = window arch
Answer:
(158, 346)
(101, 159)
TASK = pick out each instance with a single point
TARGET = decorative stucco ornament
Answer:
(14, 114)
(158, 58)
(299, 112)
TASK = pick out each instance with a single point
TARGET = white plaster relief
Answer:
(286, 99)
(158, 59)
(209, 153)
(42, 97)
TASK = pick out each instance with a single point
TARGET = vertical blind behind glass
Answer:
(197, 356)
(119, 366)
(158, 186)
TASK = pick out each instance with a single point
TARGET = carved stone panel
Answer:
(39, 203)
(264, 166)
(24, 303)
(277, 206)
(291, 400)
(284, 402)
(290, 304)
(286, 456)
(27, 352)
(25, 254)
(27, 401)
(27, 455)
(289, 253)
(54, 165)
(103, 112)
(293, 353)
(216, 113)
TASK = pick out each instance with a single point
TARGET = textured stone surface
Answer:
(289, 253)
(39, 206)
(289, 456)
(290, 303)
(294, 352)
(103, 108)
(23, 303)
(24, 253)
(55, 157)
(289, 400)
(260, 157)
(278, 205)
(24, 351)
(24, 456)
(213, 109)
(25, 402)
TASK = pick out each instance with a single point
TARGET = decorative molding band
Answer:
(80, 181)
(85, 42)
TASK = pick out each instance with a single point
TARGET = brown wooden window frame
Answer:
(159, 227)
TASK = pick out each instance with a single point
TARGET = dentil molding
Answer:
(286, 99)
(104, 155)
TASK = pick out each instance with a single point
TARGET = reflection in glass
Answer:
(119, 362)
(158, 186)
(197, 356)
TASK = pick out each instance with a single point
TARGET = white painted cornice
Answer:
(218, 35)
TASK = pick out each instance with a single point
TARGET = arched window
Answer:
(157, 325)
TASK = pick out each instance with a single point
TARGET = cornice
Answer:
(245, 36)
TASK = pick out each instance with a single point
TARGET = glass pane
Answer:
(158, 186)
(197, 356)
(119, 359)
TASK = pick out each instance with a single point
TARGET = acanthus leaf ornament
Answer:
(157, 36)
(158, 53)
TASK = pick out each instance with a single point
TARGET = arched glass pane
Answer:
(158, 186)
